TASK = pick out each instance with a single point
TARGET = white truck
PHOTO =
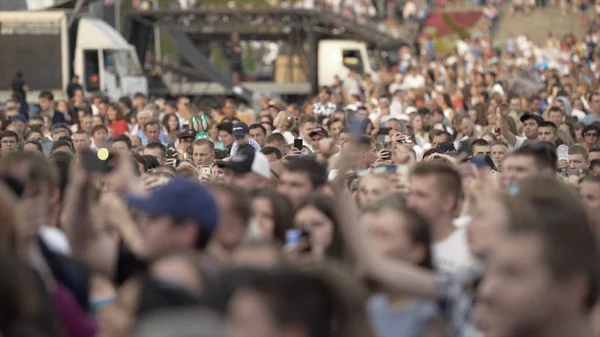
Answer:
(49, 50)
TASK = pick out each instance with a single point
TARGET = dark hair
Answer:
(543, 153)
(316, 171)
(37, 145)
(151, 123)
(62, 161)
(126, 101)
(595, 149)
(326, 89)
(283, 211)
(123, 138)
(478, 142)
(165, 122)
(62, 143)
(8, 133)
(98, 128)
(258, 126)
(325, 305)
(157, 145)
(555, 214)
(447, 178)
(46, 94)
(276, 138)
(594, 163)
(227, 127)
(335, 120)
(326, 205)
(590, 127)
(267, 150)
(119, 113)
(548, 124)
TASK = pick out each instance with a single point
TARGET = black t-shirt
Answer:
(72, 87)
(18, 85)
(128, 264)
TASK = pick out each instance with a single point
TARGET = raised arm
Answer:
(396, 275)
(510, 137)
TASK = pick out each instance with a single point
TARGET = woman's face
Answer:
(487, 224)
(213, 131)
(111, 114)
(249, 316)
(264, 216)
(319, 225)
(565, 128)
(389, 234)
(173, 123)
(417, 123)
(372, 188)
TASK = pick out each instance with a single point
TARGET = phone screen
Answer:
(298, 144)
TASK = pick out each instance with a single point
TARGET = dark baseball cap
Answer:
(186, 134)
(240, 130)
(183, 199)
(319, 131)
(248, 161)
(527, 116)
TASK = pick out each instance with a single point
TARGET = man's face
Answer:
(595, 103)
(232, 227)
(518, 292)
(576, 163)
(498, 154)
(425, 198)
(535, 106)
(45, 104)
(9, 144)
(161, 236)
(591, 137)
(306, 130)
(555, 117)
(515, 169)
(334, 129)
(99, 137)
(87, 123)
(202, 155)
(481, 150)
(530, 128)
(242, 140)
(296, 186)
(153, 133)
(226, 138)
(11, 109)
(323, 96)
(81, 142)
(546, 134)
(120, 147)
(156, 153)
(590, 193)
(258, 135)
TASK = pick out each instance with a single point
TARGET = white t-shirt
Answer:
(451, 255)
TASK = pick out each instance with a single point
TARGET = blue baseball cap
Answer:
(183, 199)
(240, 130)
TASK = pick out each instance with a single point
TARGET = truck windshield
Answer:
(127, 62)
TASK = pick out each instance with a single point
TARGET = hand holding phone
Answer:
(298, 144)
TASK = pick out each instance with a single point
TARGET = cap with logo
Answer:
(240, 130)
(319, 131)
(246, 161)
(183, 199)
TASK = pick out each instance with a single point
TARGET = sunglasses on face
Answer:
(590, 134)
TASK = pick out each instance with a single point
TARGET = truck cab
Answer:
(339, 57)
(106, 62)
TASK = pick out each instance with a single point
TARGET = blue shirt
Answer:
(163, 137)
(589, 119)
(411, 321)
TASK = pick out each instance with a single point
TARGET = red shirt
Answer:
(119, 127)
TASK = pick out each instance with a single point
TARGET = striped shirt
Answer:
(235, 146)
(324, 110)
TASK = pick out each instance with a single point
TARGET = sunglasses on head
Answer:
(378, 170)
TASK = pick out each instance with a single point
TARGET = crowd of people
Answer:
(454, 195)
